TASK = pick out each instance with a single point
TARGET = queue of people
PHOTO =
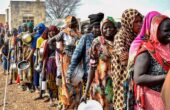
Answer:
(122, 68)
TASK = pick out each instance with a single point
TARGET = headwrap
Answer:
(125, 36)
(40, 27)
(54, 28)
(96, 18)
(144, 32)
(148, 32)
(70, 31)
(108, 20)
(128, 18)
(111, 19)
(160, 52)
(30, 24)
(68, 20)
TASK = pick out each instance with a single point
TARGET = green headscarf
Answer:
(30, 24)
(111, 19)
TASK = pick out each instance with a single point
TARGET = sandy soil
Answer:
(18, 99)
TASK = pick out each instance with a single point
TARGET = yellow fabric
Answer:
(39, 42)
(11, 42)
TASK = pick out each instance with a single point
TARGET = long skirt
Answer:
(51, 77)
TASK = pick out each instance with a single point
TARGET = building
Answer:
(24, 11)
(2, 19)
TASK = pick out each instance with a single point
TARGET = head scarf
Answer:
(108, 20)
(160, 52)
(144, 32)
(70, 31)
(30, 24)
(40, 28)
(128, 18)
(68, 20)
(126, 30)
(54, 28)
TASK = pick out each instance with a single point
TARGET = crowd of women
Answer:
(123, 68)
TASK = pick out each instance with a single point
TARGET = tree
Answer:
(61, 8)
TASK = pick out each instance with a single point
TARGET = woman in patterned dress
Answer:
(152, 61)
(100, 66)
(131, 22)
(68, 38)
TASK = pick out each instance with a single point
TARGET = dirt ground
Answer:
(16, 99)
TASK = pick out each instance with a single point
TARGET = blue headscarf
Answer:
(40, 29)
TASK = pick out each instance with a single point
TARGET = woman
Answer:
(69, 37)
(49, 66)
(5, 50)
(131, 22)
(152, 61)
(12, 55)
(132, 53)
(100, 59)
(38, 60)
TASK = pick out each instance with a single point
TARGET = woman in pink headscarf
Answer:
(129, 83)
(139, 39)
(151, 61)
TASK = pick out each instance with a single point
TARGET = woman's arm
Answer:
(90, 79)
(141, 75)
(56, 38)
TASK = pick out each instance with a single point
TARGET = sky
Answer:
(112, 8)
(115, 8)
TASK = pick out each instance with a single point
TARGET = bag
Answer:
(152, 99)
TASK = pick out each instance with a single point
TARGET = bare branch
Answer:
(61, 8)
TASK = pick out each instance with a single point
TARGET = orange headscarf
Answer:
(70, 31)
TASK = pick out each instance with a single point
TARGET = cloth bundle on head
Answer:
(95, 19)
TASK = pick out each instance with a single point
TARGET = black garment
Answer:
(96, 18)
(1, 40)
